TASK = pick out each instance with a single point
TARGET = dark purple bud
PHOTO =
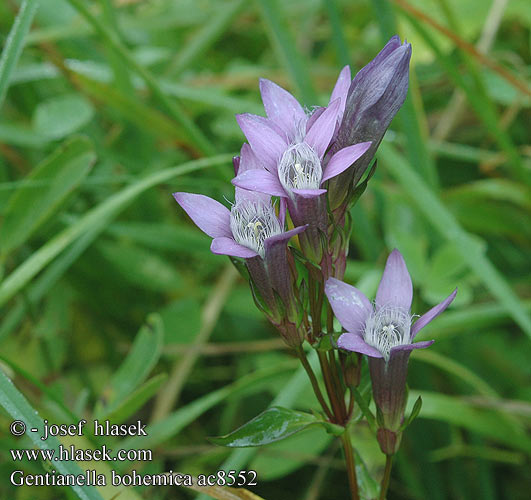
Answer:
(374, 97)
(351, 368)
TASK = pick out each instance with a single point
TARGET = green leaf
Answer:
(60, 116)
(19, 408)
(274, 424)
(15, 43)
(43, 191)
(141, 267)
(143, 356)
(414, 413)
(364, 407)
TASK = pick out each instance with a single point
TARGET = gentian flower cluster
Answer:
(296, 178)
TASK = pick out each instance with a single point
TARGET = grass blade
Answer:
(142, 357)
(171, 106)
(462, 413)
(19, 408)
(480, 103)
(206, 36)
(470, 247)
(15, 43)
(96, 219)
(286, 47)
(409, 116)
(31, 205)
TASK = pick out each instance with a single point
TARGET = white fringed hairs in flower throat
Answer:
(300, 168)
(388, 327)
(252, 222)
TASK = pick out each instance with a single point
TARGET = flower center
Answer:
(388, 327)
(251, 222)
(300, 168)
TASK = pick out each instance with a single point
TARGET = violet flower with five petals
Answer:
(385, 333)
(291, 146)
(250, 230)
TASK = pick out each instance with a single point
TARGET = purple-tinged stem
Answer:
(315, 385)
(337, 385)
(332, 396)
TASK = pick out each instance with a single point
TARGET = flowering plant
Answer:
(294, 252)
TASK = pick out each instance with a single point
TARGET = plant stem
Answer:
(336, 381)
(332, 396)
(316, 389)
(387, 476)
(351, 465)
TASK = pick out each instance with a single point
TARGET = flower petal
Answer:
(264, 137)
(282, 209)
(410, 347)
(395, 288)
(248, 160)
(261, 181)
(432, 314)
(354, 342)
(341, 89)
(316, 113)
(281, 107)
(343, 159)
(321, 132)
(227, 246)
(350, 306)
(236, 164)
(282, 237)
(209, 215)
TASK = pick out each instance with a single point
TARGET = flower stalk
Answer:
(384, 486)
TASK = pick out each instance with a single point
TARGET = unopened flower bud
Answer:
(374, 97)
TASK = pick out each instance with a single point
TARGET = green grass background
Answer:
(112, 306)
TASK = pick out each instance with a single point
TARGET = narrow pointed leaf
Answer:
(142, 357)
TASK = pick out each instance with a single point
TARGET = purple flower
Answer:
(374, 97)
(385, 329)
(291, 146)
(385, 333)
(250, 230)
